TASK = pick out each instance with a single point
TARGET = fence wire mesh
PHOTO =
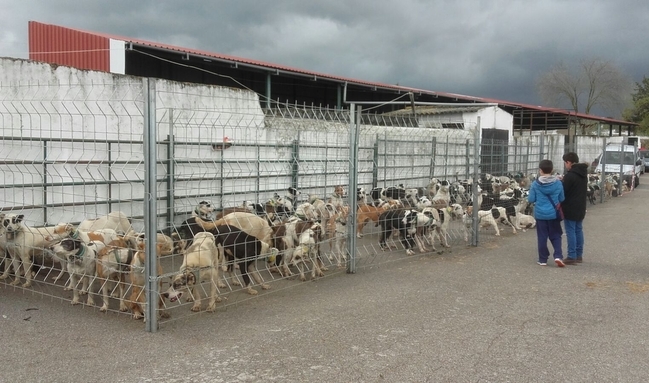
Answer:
(268, 189)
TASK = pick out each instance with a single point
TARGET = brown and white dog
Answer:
(336, 198)
(81, 263)
(201, 263)
(307, 251)
(286, 237)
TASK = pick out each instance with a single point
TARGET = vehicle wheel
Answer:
(637, 182)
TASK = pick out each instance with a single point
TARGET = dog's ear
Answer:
(19, 218)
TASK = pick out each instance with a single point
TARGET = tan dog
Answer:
(201, 263)
(137, 298)
(113, 263)
(115, 220)
(366, 213)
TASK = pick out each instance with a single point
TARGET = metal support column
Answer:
(354, 127)
(150, 209)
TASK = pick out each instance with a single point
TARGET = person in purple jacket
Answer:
(545, 193)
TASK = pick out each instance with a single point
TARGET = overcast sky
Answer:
(495, 49)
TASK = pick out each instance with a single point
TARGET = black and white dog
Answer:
(388, 193)
(405, 222)
(361, 196)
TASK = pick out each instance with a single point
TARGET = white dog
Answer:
(81, 262)
(23, 243)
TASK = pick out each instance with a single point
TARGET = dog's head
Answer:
(204, 209)
(12, 223)
(361, 195)
(179, 284)
(62, 230)
(69, 248)
(339, 191)
(292, 193)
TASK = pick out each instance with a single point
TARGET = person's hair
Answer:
(571, 157)
(546, 166)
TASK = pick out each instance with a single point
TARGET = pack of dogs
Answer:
(224, 247)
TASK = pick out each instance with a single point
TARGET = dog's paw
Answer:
(137, 316)
(196, 308)
(3, 276)
(265, 286)
(211, 308)
(103, 309)
(74, 302)
(90, 302)
(410, 252)
(221, 285)
(15, 282)
(123, 307)
(252, 291)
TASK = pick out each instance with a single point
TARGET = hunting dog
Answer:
(336, 198)
(200, 263)
(244, 249)
(22, 244)
(366, 213)
(286, 237)
(307, 251)
(204, 210)
(81, 262)
(425, 222)
(361, 196)
(66, 230)
(340, 237)
(113, 263)
(442, 219)
(403, 221)
(115, 220)
(137, 298)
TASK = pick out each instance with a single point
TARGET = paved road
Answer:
(486, 314)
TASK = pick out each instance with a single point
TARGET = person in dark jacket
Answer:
(575, 186)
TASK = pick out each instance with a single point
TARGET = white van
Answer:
(626, 156)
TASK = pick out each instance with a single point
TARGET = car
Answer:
(622, 159)
(644, 153)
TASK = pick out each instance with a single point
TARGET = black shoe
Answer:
(569, 261)
(580, 259)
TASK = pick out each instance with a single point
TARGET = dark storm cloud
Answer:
(493, 49)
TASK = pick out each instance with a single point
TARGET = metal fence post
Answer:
(171, 172)
(476, 175)
(354, 127)
(150, 210)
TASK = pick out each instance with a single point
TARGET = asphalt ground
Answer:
(484, 314)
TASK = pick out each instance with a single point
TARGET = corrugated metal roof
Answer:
(437, 110)
(65, 46)
(86, 37)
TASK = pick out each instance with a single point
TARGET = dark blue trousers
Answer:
(549, 229)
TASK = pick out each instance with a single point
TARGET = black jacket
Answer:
(575, 185)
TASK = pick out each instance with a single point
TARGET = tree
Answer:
(639, 112)
(592, 84)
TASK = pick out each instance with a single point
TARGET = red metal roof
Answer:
(70, 47)
(90, 50)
